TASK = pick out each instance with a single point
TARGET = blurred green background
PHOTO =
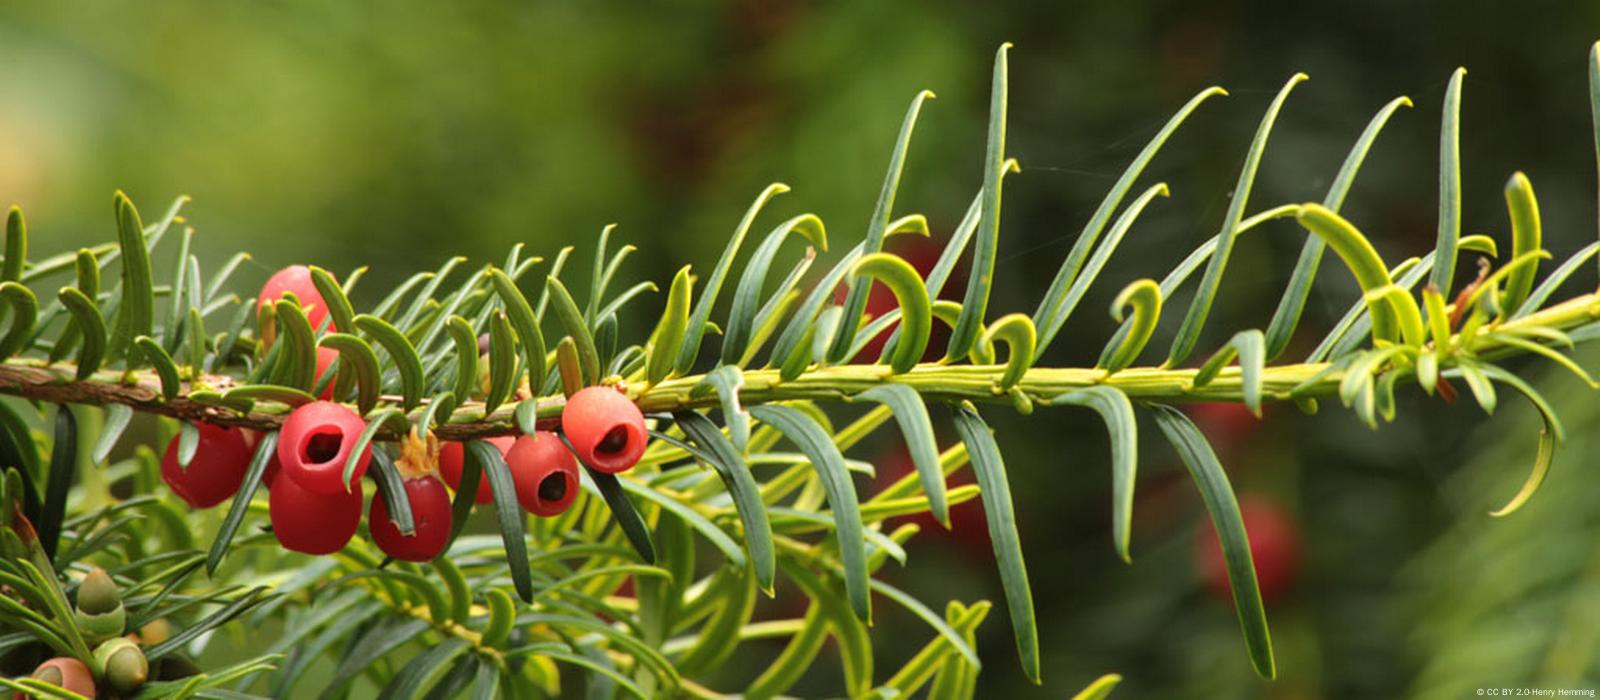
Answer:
(397, 134)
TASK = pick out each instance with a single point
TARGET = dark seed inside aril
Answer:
(614, 441)
(553, 487)
(323, 447)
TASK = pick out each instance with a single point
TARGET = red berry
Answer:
(430, 512)
(313, 523)
(1274, 544)
(452, 456)
(605, 428)
(296, 279)
(273, 467)
(219, 464)
(315, 443)
(545, 473)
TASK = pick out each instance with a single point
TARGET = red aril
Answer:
(545, 472)
(315, 443)
(310, 522)
(606, 429)
(214, 474)
(430, 513)
(452, 458)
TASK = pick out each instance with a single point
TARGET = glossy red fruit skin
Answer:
(313, 523)
(430, 512)
(315, 443)
(216, 471)
(1274, 544)
(535, 458)
(296, 279)
(452, 458)
(605, 428)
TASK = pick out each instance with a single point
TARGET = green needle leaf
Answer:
(1052, 311)
(690, 350)
(502, 615)
(912, 415)
(1389, 311)
(1444, 267)
(507, 513)
(24, 315)
(392, 489)
(1549, 437)
(466, 356)
(1016, 330)
(916, 312)
(299, 339)
(1250, 347)
(163, 364)
(628, 518)
(401, 351)
(1194, 321)
(1555, 279)
(741, 486)
(668, 335)
(571, 318)
(695, 520)
(502, 362)
(726, 381)
(392, 416)
(1144, 298)
(466, 495)
(339, 309)
(1287, 316)
(1217, 494)
(241, 500)
(136, 314)
(117, 417)
(856, 301)
(842, 500)
(975, 305)
(719, 635)
(16, 246)
(990, 470)
(85, 317)
(63, 464)
(855, 649)
(176, 307)
(1525, 238)
(746, 297)
(1062, 309)
(935, 621)
(1100, 689)
(526, 324)
(792, 350)
(567, 366)
(1117, 412)
(357, 356)
(425, 671)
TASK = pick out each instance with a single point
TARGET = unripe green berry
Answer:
(98, 593)
(122, 664)
(100, 615)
